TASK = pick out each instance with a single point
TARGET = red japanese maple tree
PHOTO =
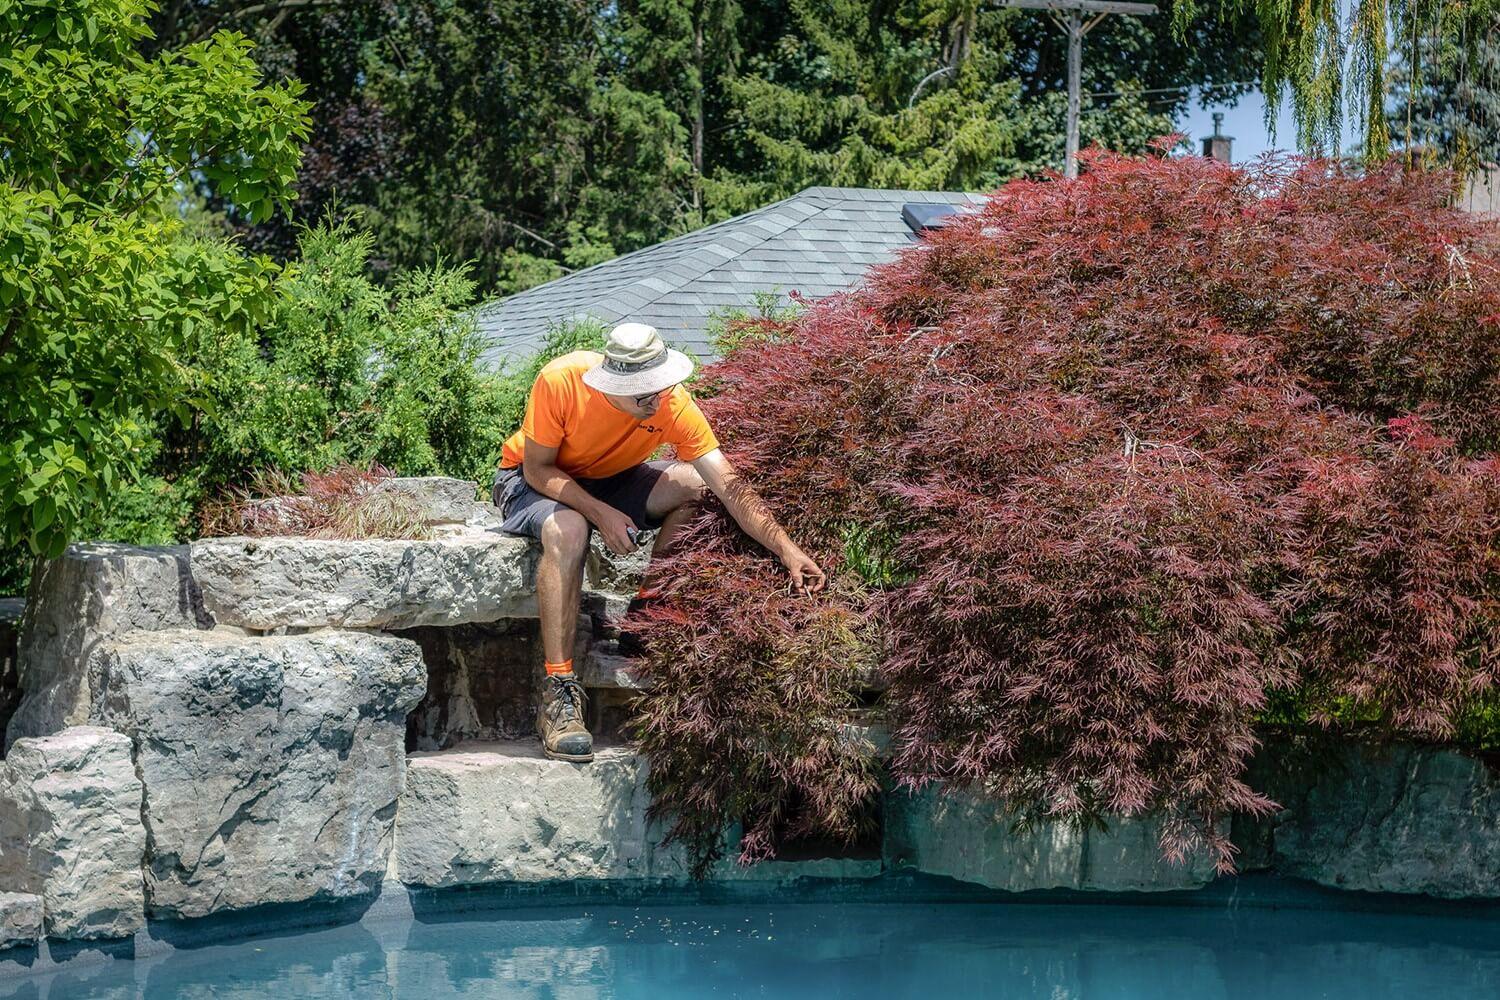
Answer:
(1096, 470)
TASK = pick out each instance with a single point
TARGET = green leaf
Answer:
(42, 513)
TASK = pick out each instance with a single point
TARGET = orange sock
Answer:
(565, 667)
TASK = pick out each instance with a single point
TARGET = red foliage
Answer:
(1133, 452)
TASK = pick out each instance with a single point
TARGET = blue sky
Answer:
(1246, 123)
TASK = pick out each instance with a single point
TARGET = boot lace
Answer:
(566, 700)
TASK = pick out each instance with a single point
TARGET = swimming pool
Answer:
(832, 950)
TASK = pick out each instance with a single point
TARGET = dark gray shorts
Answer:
(524, 509)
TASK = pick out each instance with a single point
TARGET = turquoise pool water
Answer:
(936, 952)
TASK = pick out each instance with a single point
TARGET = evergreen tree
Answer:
(679, 50)
(535, 136)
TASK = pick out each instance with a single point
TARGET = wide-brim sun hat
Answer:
(637, 363)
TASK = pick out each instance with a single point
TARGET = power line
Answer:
(1176, 90)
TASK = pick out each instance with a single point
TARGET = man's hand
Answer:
(751, 513)
(616, 529)
(807, 578)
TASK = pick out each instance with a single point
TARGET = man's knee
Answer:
(686, 486)
(565, 533)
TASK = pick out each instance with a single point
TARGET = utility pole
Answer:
(1073, 25)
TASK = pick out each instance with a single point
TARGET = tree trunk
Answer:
(698, 16)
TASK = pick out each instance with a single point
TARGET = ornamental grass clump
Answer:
(343, 502)
(1134, 455)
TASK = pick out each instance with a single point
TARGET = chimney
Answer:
(1216, 146)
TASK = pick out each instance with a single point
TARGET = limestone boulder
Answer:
(71, 832)
(20, 918)
(502, 812)
(1380, 817)
(444, 501)
(971, 838)
(484, 813)
(273, 583)
(92, 592)
(607, 572)
(271, 764)
(602, 666)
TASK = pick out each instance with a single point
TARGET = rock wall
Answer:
(972, 839)
(1380, 817)
(225, 768)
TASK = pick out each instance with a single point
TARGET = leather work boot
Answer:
(559, 721)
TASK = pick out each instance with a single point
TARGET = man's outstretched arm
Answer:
(751, 513)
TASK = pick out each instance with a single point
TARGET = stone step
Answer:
(504, 812)
(604, 667)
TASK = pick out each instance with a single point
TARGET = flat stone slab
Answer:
(272, 583)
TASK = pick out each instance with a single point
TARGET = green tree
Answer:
(680, 50)
(920, 94)
(455, 134)
(101, 286)
(345, 369)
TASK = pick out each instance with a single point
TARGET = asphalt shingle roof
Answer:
(819, 241)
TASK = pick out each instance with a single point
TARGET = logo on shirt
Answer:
(652, 428)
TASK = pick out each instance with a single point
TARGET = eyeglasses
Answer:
(645, 401)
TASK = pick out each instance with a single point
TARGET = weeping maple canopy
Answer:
(1335, 66)
(1098, 472)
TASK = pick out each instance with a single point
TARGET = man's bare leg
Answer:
(559, 581)
(674, 499)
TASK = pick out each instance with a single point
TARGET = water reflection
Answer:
(830, 951)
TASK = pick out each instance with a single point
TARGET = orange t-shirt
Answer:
(593, 438)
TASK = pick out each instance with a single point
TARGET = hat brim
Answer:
(676, 368)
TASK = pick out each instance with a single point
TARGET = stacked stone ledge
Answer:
(256, 714)
(223, 725)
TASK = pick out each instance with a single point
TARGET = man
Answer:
(579, 462)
